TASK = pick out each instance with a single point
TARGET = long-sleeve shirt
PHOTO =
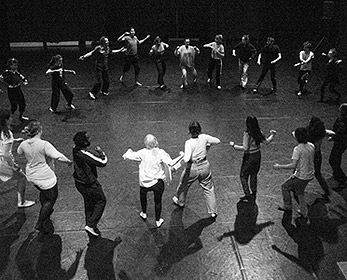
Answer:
(85, 163)
(196, 148)
(12, 78)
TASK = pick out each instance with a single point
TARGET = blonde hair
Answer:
(150, 141)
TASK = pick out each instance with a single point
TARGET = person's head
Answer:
(343, 109)
(332, 53)
(245, 39)
(187, 42)
(301, 135)
(5, 116)
(194, 129)
(132, 31)
(104, 41)
(33, 128)
(81, 139)
(307, 46)
(270, 41)
(315, 129)
(150, 141)
(157, 40)
(12, 64)
(56, 60)
(253, 129)
(218, 38)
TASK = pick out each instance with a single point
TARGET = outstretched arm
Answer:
(144, 39)
(82, 57)
(196, 49)
(122, 49)
(121, 37)
(277, 59)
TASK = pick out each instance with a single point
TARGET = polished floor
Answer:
(246, 241)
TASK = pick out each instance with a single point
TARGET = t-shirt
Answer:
(187, 56)
(245, 51)
(131, 45)
(37, 170)
(196, 148)
(269, 53)
(304, 154)
(215, 49)
(306, 66)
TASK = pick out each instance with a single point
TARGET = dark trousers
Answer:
(131, 60)
(160, 64)
(102, 78)
(16, 98)
(215, 64)
(303, 78)
(266, 68)
(249, 171)
(47, 200)
(65, 89)
(335, 162)
(94, 202)
(332, 82)
(158, 190)
(317, 172)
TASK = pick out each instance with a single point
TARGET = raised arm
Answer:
(82, 57)
(177, 51)
(121, 37)
(209, 45)
(144, 39)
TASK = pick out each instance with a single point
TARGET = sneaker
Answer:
(214, 215)
(137, 83)
(143, 215)
(51, 110)
(71, 106)
(255, 90)
(299, 93)
(91, 231)
(121, 79)
(208, 80)
(219, 87)
(160, 222)
(175, 200)
(23, 118)
(92, 96)
(182, 86)
(26, 203)
(105, 93)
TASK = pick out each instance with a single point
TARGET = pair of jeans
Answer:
(265, 69)
(94, 202)
(249, 171)
(335, 160)
(158, 190)
(16, 98)
(201, 172)
(215, 64)
(317, 172)
(65, 89)
(131, 60)
(160, 64)
(102, 78)
(303, 78)
(243, 72)
(47, 200)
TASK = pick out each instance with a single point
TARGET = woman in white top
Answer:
(40, 173)
(151, 174)
(305, 57)
(9, 170)
(197, 168)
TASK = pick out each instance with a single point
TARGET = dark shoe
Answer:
(255, 91)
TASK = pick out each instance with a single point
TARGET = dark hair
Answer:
(81, 140)
(307, 44)
(33, 128)
(271, 40)
(343, 109)
(194, 129)
(254, 130)
(315, 130)
(11, 61)
(156, 40)
(301, 135)
(4, 115)
(54, 60)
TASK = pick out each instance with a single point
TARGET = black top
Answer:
(13, 78)
(245, 51)
(269, 53)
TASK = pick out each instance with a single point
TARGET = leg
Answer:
(88, 201)
(163, 66)
(55, 96)
(318, 173)
(188, 176)
(47, 199)
(273, 76)
(322, 89)
(157, 66)
(158, 189)
(184, 77)
(143, 199)
(68, 93)
(210, 68)
(244, 74)
(253, 182)
(206, 182)
(332, 89)
(299, 191)
(13, 98)
(126, 67)
(195, 74)
(218, 72)
(266, 68)
(96, 193)
(245, 173)
(105, 81)
(21, 184)
(335, 160)
(137, 69)
(98, 81)
(21, 104)
(287, 187)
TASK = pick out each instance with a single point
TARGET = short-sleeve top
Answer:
(269, 53)
(131, 45)
(304, 154)
(196, 148)
(187, 56)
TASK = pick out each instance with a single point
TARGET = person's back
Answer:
(304, 153)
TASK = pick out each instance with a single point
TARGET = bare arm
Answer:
(144, 39)
(259, 59)
(82, 57)
(291, 165)
(122, 49)
(277, 59)
(121, 37)
(268, 140)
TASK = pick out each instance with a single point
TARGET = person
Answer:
(269, 56)
(186, 55)
(245, 52)
(86, 179)
(101, 53)
(9, 169)
(217, 54)
(157, 52)
(57, 70)
(14, 79)
(339, 146)
(252, 138)
(131, 58)
(197, 168)
(305, 56)
(316, 133)
(331, 77)
(151, 174)
(40, 173)
(303, 163)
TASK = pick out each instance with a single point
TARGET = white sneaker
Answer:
(208, 81)
(219, 87)
(175, 200)
(51, 110)
(299, 93)
(143, 215)
(26, 203)
(91, 230)
(105, 93)
(138, 83)
(92, 96)
(160, 222)
(71, 106)
(214, 215)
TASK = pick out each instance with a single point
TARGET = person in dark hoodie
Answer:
(86, 179)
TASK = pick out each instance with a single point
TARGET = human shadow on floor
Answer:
(99, 258)
(246, 227)
(310, 246)
(39, 258)
(181, 241)
(9, 233)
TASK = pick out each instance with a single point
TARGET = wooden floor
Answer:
(247, 241)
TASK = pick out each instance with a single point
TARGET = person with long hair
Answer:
(157, 52)
(132, 58)
(57, 70)
(303, 165)
(306, 56)
(252, 138)
(316, 132)
(40, 173)
(14, 79)
(197, 168)
(101, 53)
(217, 54)
(151, 174)
(9, 169)
(86, 179)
